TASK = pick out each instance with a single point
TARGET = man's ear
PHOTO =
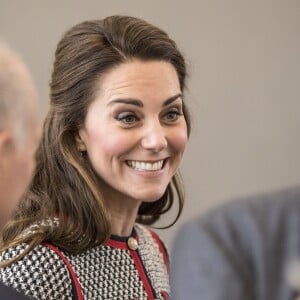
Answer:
(80, 142)
(6, 147)
(6, 141)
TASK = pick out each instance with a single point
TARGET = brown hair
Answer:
(65, 184)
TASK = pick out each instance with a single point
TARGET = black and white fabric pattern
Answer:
(110, 271)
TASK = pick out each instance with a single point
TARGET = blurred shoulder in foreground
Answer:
(245, 249)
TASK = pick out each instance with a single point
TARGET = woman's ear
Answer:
(80, 141)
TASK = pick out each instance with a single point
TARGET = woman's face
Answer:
(135, 132)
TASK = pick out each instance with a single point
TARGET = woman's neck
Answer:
(122, 216)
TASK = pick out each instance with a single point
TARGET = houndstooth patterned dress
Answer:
(110, 271)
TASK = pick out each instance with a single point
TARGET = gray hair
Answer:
(16, 93)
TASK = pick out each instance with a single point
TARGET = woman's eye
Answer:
(172, 116)
(127, 118)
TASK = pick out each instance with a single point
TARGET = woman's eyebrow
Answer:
(139, 103)
(172, 99)
(130, 101)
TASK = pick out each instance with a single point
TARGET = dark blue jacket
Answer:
(7, 293)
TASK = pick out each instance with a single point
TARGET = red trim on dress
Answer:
(165, 295)
(116, 244)
(161, 248)
(137, 261)
(70, 268)
(142, 274)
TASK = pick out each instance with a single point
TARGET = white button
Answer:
(132, 243)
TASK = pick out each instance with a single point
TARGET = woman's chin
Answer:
(151, 197)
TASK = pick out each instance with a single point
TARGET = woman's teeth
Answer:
(145, 166)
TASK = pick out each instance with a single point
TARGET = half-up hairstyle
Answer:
(65, 186)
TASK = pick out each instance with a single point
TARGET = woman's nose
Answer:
(154, 138)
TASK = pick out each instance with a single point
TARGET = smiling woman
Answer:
(113, 140)
(134, 137)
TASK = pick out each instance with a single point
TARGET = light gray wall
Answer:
(243, 91)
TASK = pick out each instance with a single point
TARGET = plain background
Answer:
(244, 87)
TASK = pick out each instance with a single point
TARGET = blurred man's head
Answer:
(19, 130)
